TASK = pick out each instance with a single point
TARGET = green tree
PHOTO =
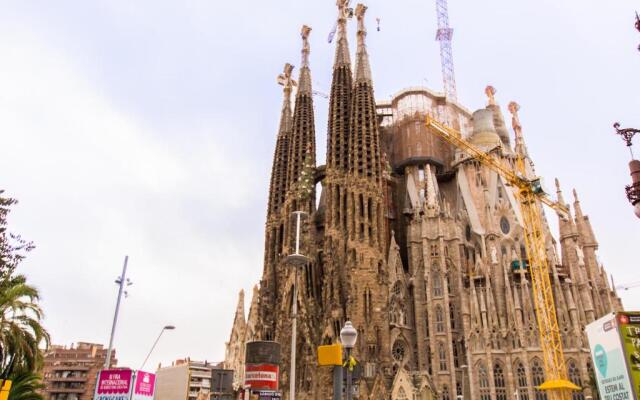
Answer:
(25, 385)
(13, 248)
(21, 330)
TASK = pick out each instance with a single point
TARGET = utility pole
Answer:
(296, 260)
(121, 282)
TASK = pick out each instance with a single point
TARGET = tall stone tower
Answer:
(416, 243)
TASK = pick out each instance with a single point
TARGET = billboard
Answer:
(144, 387)
(629, 327)
(114, 384)
(608, 358)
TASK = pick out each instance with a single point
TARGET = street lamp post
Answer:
(348, 337)
(122, 281)
(296, 260)
(633, 190)
(165, 328)
(461, 396)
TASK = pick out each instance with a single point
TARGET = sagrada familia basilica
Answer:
(420, 246)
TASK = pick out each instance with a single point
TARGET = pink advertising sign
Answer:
(144, 386)
(114, 384)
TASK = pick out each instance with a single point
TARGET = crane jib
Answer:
(528, 194)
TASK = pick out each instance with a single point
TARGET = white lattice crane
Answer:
(444, 35)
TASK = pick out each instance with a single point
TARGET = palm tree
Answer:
(21, 332)
(25, 385)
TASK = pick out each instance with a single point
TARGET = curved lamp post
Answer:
(165, 328)
(348, 337)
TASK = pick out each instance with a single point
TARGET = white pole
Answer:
(292, 381)
(107, 362)
(294, 316)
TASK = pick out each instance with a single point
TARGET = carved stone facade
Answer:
(418, 245)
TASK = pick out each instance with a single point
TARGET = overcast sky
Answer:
(147, 128)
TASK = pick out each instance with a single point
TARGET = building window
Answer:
(442, 355)
(402, 395)
(483, 381)
(537, 374)
(574, 376)
(523, 388)
(452, 315)
(398, 350)
(434, 250)
(445, 392)
(439, 320)
(504, 225)
(454, 347)
(498, 380)
(437, 285)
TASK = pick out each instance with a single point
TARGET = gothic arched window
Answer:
(537, 375)
(454, 347)
(445, 392)
(452, 315)
(439, 319)
(442, 356)
(498, 380)
(483, 381)
(574, 376)
(437, 285)
(523, 387)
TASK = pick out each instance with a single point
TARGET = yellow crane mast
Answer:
(528, 193)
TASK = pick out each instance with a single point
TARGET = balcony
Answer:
(67, 379)
(66, 390)
(70, 368)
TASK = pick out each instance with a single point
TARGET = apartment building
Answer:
(70, 372)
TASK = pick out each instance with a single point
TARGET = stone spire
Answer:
(520, 147)
(303, 130)
(240, 317)
(363, 69)
(342, 46)
(277, 187)
(364, 154)
(338, 130)
(498, 119)
(583, 224)
(340, 100)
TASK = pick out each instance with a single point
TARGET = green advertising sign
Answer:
(629, 328)
(609, 360)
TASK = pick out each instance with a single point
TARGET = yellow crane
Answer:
(528, 193)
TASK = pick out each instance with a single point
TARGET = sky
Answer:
(147, 129)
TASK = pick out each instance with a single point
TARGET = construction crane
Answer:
(528, 192)
(444, 35)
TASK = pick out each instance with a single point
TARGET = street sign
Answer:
(144, 386)
(267, 394)
(629, 326)
(221, 384)
(330, 355)
(608, 358)
(114, 384)
(4, 391)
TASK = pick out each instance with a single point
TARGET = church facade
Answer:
(420, 246)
